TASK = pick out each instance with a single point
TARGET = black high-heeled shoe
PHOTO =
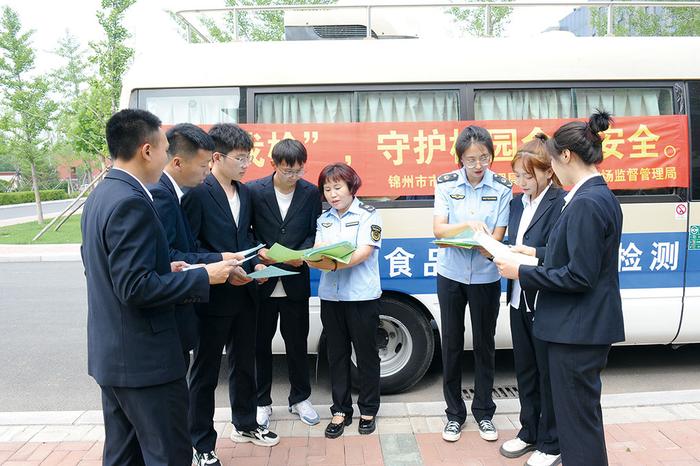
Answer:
(367, 426)
(334, 430)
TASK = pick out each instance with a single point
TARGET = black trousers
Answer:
(355, 322)
(294, 326)
(532, 372)
(146, 425)
(575, 374)
(237, 334)
(483, 300)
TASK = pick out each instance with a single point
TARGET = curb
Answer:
(386, 410)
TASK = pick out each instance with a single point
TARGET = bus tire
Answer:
(406, 346)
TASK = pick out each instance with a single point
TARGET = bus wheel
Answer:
(406, 344)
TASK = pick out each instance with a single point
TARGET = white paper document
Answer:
(502, 251)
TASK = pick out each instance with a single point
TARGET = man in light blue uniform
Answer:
(471, 198)
(349, 296)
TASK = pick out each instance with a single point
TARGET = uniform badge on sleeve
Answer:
(327, 224)
(376, 232)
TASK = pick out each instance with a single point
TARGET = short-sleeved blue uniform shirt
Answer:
(360, 225)
(459, 201)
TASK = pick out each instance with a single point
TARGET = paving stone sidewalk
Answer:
(650, 435)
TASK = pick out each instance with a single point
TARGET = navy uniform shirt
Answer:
(360, 225)
(459, 201)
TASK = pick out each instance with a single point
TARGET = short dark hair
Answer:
(473, 135)
(186, 140)
(581, 138)
(129, 129)
(289, 151)
(340, 172)
(228, 137)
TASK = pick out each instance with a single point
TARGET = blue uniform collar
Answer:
(487, 180)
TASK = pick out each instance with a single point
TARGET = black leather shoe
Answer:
(367, 426)
(334, 430)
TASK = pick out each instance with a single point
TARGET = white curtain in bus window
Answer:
(193, 108)
(523, 104)
(408, 106)
(314, 107)
(625, 101)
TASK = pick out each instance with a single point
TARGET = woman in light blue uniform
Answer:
(350, 297)
(470, 198)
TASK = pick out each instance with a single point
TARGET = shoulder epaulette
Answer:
(447, 177)
(503, 181)
(367, 207)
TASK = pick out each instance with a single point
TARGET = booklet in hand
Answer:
(270, 272)
(340, 252)
(466, 240)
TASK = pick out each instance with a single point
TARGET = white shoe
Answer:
(487, 430)
(306, 412)
(452, 431)
(543, 459)
(515, 448)
(263, 416)
(260, 436)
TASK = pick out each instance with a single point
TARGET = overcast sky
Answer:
(152, 28)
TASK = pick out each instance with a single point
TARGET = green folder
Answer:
(466, 241)
(270, 272)
(340, 252)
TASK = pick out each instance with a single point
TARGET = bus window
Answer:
(625, 101)
(198, 106)
(311, 107)
(387, 106)
(523, 104)
(694, 117)
(528, 104)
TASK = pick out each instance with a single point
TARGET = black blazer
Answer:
(296, 231)
(214, 230)
(182, 248)
(133, 339)
(537, 232)
(579, 301)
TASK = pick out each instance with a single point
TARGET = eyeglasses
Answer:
(484, 159)
(242, 159)
(292, 173)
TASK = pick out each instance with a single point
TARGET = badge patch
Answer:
(489, 198)
(327, 225)
(376, 232)
(352, 224)
(458, 197)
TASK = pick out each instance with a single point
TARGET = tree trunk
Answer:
(37, 198)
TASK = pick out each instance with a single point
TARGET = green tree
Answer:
(69, 79)
(252, 26)
(473, 20)
(111, 55)
(648, 21)
(28, 110)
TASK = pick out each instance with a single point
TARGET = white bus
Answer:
(390, 108)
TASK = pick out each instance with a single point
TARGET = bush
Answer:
(22, 197)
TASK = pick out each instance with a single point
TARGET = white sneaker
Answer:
(515, 448)
(487, 430)
(260, 436)
(452, 431)
(543, 459)
(263, 416)
(306, 412)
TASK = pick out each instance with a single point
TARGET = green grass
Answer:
(23, 233)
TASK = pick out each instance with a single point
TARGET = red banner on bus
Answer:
(395, 159)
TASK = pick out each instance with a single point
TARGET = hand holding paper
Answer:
(270, 272)
(501, 251)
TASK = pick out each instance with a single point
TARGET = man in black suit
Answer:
(189, 153)
(134, 350)
(219, 212)
(285, 210)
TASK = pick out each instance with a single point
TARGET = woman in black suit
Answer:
(579, 309)
(532, 216)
